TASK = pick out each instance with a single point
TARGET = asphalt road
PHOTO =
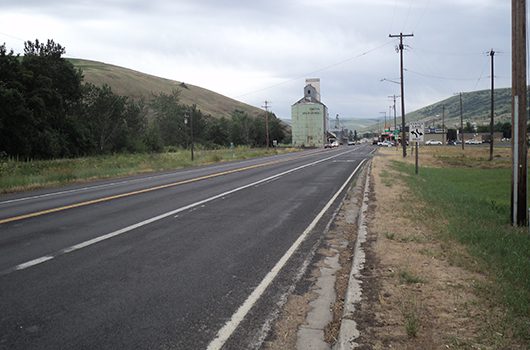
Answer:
(182, 260)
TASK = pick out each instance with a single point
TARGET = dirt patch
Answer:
(414, 294)
(285, 328)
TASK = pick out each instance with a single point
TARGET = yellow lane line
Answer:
(106, 199)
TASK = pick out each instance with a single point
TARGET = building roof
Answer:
(310, 96)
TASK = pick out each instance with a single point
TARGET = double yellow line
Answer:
(146, 190)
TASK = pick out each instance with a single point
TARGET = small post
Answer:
(417, 148)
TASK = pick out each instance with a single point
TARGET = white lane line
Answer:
(226, 331)
(33, 262)
(98, 239)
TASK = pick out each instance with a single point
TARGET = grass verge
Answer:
(475, 205)
(18, 175)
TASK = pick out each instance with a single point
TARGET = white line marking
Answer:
(33, 262)
(226, 331)
(92, 241)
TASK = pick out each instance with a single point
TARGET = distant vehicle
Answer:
(473, 142)
(351, 143)
(433, 142)
(385, 143)
(335, 144)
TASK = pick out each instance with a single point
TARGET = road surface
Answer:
(190, 259)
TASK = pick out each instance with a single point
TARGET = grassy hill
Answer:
(476, 107)
(357, 123)
(127, 82)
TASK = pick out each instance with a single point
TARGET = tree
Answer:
(38, 92)
(104, 116)
(469, 128)
(17, 126)
(169, 117)
(217, 131)
(240, 128)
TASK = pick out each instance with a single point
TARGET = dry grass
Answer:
(127, 82)
(454, 156)
(422, 291)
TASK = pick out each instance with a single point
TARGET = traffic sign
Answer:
(416, 131)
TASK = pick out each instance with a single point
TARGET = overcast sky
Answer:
(263, 50)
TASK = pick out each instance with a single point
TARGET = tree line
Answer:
(47, 111)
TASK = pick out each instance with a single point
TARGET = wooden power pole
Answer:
(394, 97)
(492, 54)
(462, 122)
(403, 140)
(519, 115)
(443, 124)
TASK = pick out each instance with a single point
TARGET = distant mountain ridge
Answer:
(476, 108)
(134, 84)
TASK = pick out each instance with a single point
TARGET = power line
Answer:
(438, 77)
(317, 70)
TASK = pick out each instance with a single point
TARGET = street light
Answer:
(391, 81)
(186, 117)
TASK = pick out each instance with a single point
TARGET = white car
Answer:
(433, 142)
(385, 143)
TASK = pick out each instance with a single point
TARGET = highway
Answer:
(189, 259)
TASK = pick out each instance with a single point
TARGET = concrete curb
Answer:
(348, 329)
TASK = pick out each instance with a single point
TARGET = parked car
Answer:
(351, 143)
(433, 142)
(473, 142)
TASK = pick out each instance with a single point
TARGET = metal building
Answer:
(309, 117)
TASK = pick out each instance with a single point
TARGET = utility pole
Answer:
(266, 106)
(519, 114)
(389, 114)
(462, 122)
(394, 97)
(188, 116)
(443, 124)
(403, 141)
(384, 127)
(492, 54)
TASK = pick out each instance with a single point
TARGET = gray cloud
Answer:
(264, 49)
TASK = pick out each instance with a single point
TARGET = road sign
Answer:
(416, 131)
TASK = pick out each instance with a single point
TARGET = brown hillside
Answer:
(127, 82)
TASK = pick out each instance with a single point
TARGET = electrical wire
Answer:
(437, 76)
(422, 15)
(12, 36)
(407, 17)
(318, 70)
